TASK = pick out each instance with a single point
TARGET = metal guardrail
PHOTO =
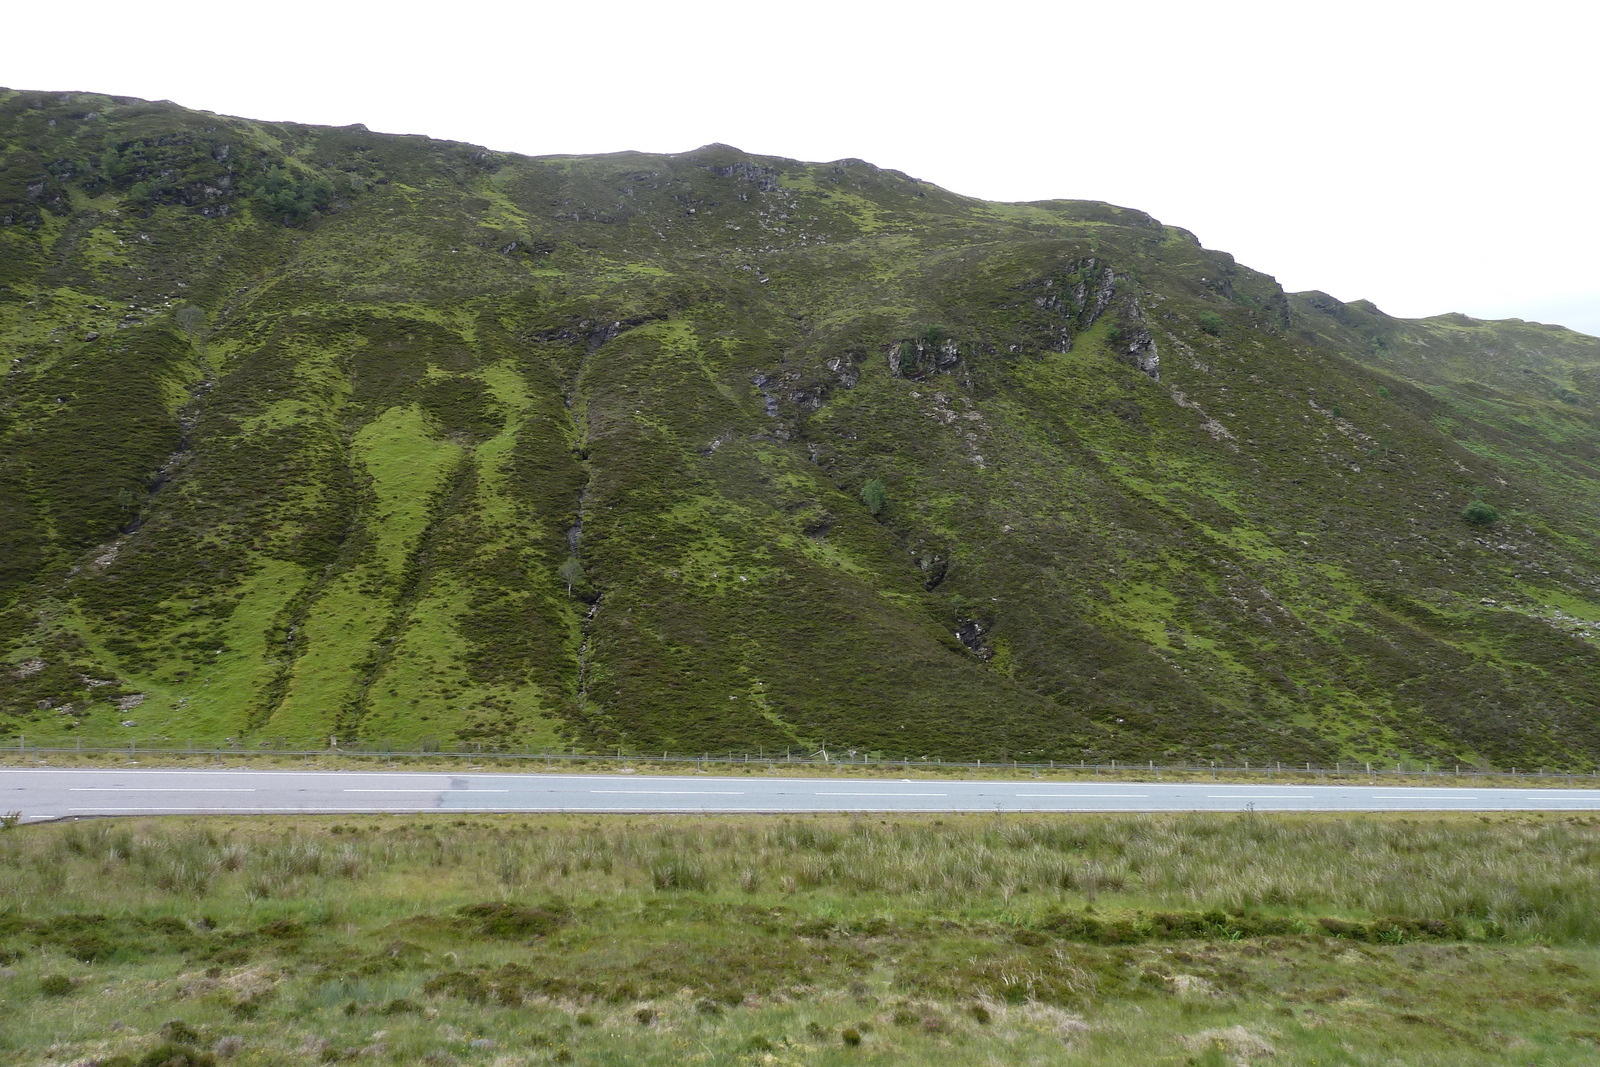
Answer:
(821, 758)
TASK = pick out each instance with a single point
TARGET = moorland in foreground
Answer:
(497, 940)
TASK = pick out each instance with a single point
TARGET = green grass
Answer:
(1189, 939)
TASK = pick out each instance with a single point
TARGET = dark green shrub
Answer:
(55, 985)
(851, 1036)
(500, 919)
(1211, 323)
(875, 496)
(172, 1054)
(908, 357)
(1480, 514)
(291, 198)
(181, 1032)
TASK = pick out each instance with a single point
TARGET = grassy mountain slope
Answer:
(316, 432)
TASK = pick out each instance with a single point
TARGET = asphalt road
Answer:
(50, 793)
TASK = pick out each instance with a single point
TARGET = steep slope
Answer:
(316, 432)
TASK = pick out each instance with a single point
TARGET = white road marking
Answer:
(675, 792)
(154, 789)
(880, 794)
(263, 811)
(1090, 796)
(439, 789)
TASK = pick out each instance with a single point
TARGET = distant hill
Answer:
(313, 431)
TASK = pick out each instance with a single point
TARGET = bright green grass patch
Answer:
(407, 464)
(335, 635)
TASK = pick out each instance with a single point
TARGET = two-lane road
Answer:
(52, 793)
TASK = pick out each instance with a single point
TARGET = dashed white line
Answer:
(675, 792)
(264, 811)
(427, 790)
(154, 789)
(880, 794)
(1090, 796)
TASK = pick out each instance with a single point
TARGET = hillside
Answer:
(313, 431)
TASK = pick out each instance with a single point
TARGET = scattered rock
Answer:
(29, 668)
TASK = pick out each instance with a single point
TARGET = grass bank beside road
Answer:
(511, 940)
(502, 763)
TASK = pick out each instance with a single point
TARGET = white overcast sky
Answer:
(1430, 157)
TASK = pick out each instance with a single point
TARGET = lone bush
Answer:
(571, 572)
(1211, 323)
(1480, 514)
(875, 496)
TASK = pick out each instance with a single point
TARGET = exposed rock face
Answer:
(1142, 350)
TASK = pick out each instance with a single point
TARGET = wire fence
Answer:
(844, 760)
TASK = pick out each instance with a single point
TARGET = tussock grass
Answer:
(1509, 876)
(983, 939)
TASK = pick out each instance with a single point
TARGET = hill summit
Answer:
(315, 432)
